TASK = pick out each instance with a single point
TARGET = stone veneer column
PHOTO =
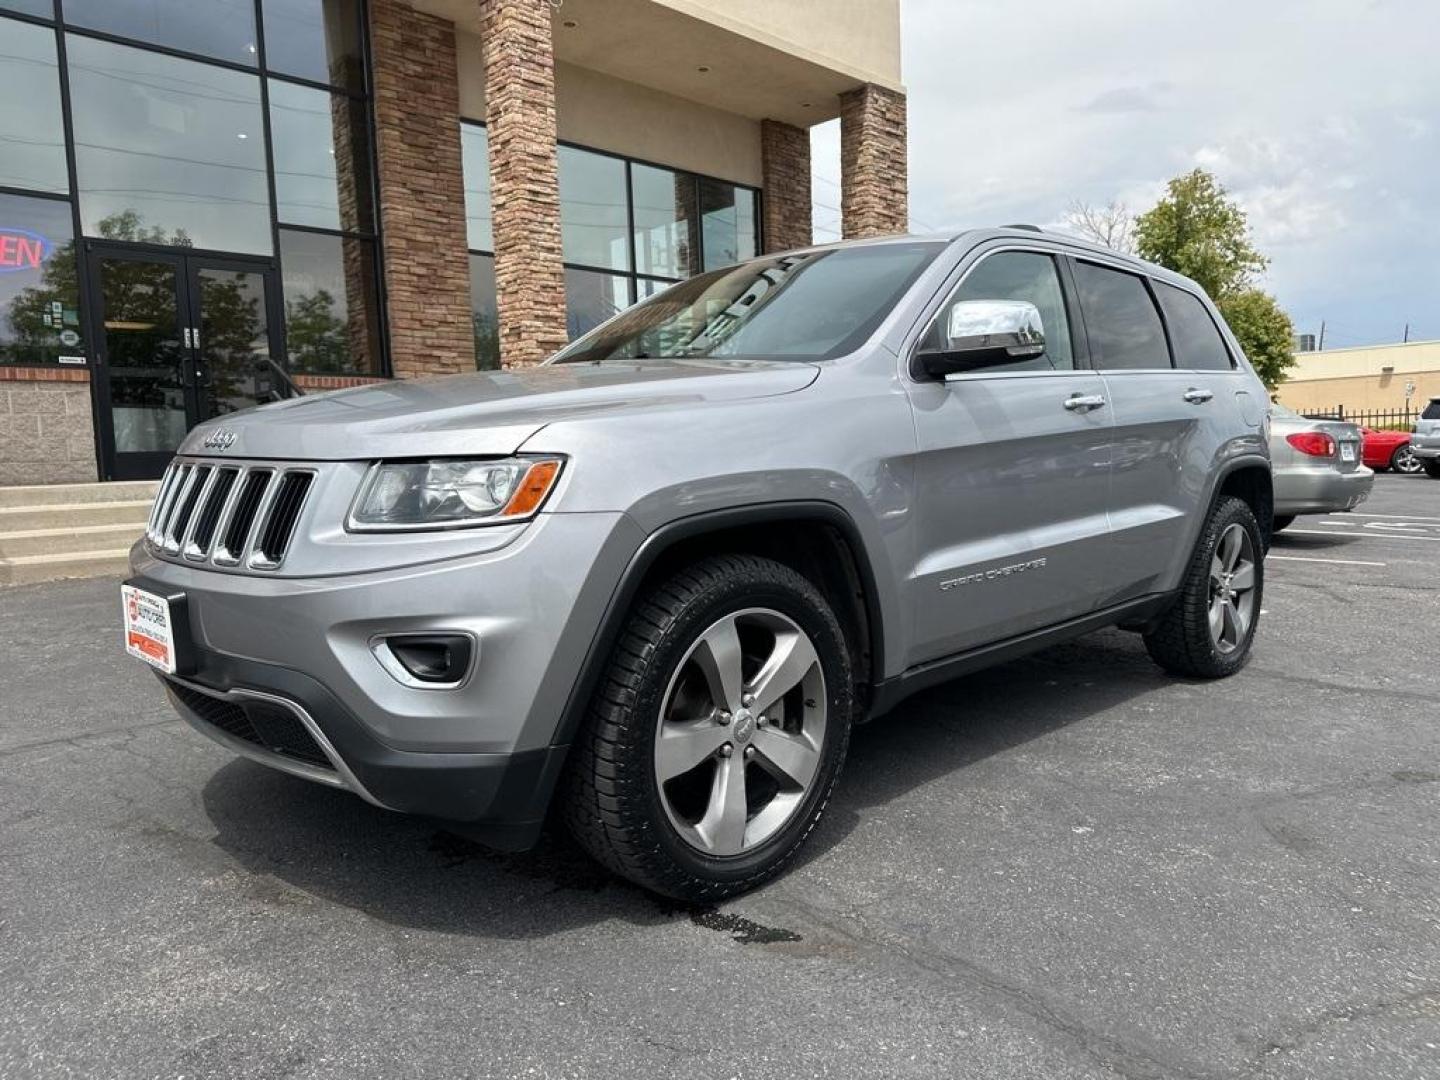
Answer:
(422, 190)
(874, 195)
(524, 178)
(785, 168)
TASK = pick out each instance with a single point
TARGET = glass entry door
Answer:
(180, 338)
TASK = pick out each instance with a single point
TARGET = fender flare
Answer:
(667, 536)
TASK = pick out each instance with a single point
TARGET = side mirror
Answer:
(984, 333)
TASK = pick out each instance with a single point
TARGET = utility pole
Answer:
(1321, 346)
(1406, 339)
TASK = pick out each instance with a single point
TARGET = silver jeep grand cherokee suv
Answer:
(654, 581)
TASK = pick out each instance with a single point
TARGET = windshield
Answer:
(809, 306)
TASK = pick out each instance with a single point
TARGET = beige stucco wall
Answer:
(606, 113)
(1356, 379)
(859, 36)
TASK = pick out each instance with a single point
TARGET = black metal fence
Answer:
(1381, 419)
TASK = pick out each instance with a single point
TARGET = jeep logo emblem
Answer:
(219, 439)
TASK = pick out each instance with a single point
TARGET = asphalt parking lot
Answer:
(1070, 866)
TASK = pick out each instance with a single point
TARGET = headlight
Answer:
(450, 494)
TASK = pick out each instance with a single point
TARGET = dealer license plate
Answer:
(149, 628)
(1347, 451)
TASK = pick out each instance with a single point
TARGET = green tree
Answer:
(315, 334)
(1198, 230)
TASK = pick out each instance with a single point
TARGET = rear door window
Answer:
(1120, 319)
(1193, 334)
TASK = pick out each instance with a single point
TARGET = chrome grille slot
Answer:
(162, 504)
(235, 515)
(184, 507)
(237, 529)
(217, 498)
(273, 539)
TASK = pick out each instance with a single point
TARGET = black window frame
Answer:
(382, 366)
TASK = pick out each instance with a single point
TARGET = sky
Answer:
(1321, 117)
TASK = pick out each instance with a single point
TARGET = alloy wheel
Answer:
(1232, 588)
(741, 732)
(1405, 461)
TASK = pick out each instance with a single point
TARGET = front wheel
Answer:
(1207, 632)
(716, 736)
(1404, 460)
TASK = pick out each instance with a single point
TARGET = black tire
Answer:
(1432, 467)
(1282, 522)
(1181, 641)
(612, 800)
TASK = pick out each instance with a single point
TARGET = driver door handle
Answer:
(1196, 396)
(1084, 402)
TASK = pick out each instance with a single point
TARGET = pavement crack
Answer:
(1316, 1025)
(84, 738)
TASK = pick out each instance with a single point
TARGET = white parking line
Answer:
(1337, 562)
(1371, 535)
(1401, 517)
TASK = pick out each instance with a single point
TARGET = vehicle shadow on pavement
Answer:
(417, 874)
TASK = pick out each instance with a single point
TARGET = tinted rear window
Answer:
(1197, 343)
(1432, 411)
(1120, 319)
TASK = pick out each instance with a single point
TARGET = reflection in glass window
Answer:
(591, 298)
(475, 151)
(484, 313)
(322, 158)
(167, 151)
(221, 28)
(665, 242)
(331, 302)
(43, 8)
(315, 39)
(728, 217)
(593, 217)
(39, 297)
(32, 137)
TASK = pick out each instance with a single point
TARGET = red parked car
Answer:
(1388, 450)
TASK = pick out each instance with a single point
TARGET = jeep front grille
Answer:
(228, 515)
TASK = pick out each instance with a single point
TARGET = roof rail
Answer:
(1027, 228)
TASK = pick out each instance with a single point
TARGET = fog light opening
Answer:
(436, 661)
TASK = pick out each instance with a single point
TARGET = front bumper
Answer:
(297, 653)
(1320, 490)
(298, 726)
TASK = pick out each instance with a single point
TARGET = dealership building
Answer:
(205, 204)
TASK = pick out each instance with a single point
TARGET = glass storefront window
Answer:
(168, 151)
(322, 154)
(594, 220)
(39, 294)
(224, 29)
(664, 201)
(591, 298)
(43, 8)
(315, 39)
(483, 312)
(32, 137)
(728, 214)
(331, 303)
(475, 152)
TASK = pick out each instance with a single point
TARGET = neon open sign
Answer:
(21, 249)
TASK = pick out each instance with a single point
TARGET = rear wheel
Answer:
(1282, 521)
(717, 735)
(1432, 467)
(1207, 633)
(1404, 460)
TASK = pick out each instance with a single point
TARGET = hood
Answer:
(485, 413)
